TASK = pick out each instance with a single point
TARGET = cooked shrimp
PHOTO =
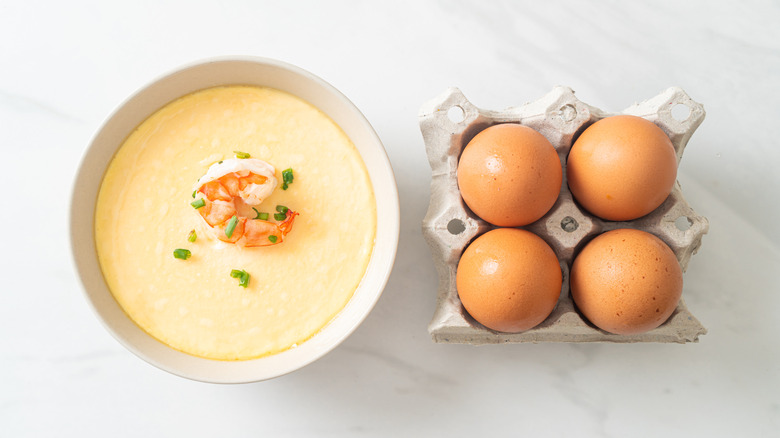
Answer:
(229, 184)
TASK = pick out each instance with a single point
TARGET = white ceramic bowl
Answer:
(210, 73)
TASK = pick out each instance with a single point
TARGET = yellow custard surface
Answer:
(143, 214)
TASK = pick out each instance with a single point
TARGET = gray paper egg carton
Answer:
(449, 226)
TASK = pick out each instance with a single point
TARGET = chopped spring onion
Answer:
(282, 209)
(182, 254)
(243, 277)
(287, 178)
(240, 154)
(287, 175)
(272, 238)
(193, 236)
(193, 193)
(198, 203)
(231, 226)
(279, 216)
(261, 216)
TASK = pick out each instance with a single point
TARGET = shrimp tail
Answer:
(286, 225)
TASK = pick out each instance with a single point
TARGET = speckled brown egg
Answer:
(621, 168)
(509, 280)
(509, 175)
(626, 281)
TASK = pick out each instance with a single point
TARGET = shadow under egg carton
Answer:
(450, 121)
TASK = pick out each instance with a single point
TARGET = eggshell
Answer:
(622, 168)
(449, 226)
(509, 280)
(509, 175)
(626, 281)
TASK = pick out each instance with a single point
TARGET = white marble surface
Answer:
(66, 65)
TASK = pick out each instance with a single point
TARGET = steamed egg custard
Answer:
(275, 271)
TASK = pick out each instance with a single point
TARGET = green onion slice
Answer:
(261, 216)
(243, 277)
(287, 175)
(240, 154)
(287, 178)
(198, 203)
(279, 216)
(193, 236)
(193, 193)
(282, 209)
(182, 254)
(272, 238)
(231, 226)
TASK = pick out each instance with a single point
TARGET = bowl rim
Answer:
(380, 264)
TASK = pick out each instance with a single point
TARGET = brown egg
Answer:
(621, 168)
(509, 175)
(626, 281)
(509, 280)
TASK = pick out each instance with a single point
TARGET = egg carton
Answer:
(450, 121)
